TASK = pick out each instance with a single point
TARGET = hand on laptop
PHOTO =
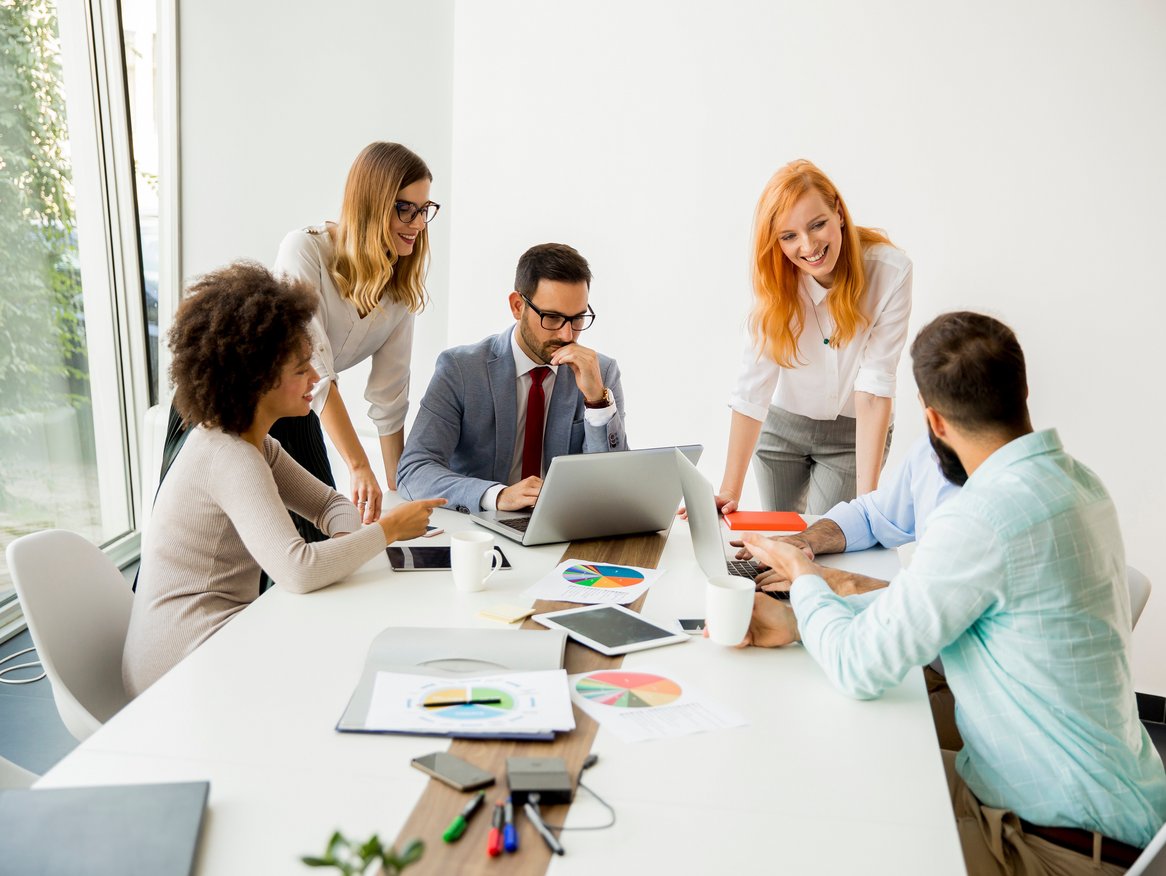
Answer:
(796, 540)
(521, 495)
(783, 558)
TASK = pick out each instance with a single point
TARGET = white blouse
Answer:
(823, 387)
(340, 338)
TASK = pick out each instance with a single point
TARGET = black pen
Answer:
(532, 813)
(440, 703)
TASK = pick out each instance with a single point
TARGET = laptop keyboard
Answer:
(517, 523)
(746, 569)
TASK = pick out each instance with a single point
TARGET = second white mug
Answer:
(728, 608)
(474, 558)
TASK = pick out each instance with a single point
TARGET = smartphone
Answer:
(431, 531)
(425, 558)
(454, 771)
(694, 626)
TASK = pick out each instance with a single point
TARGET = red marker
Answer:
(494, 841)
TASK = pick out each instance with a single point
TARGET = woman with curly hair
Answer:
(368, 271)
(241, 360)
(828, 326)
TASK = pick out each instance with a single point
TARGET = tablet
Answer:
(609, 629)
(425, 559)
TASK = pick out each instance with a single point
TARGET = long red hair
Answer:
(778, 316)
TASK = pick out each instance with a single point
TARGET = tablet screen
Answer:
(611, 628)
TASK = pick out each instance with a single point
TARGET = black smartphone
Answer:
(694, 626)
(454, 771)
(424, 558)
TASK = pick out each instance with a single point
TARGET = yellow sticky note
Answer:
(508, 614)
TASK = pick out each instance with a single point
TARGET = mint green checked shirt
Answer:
(1019, 585)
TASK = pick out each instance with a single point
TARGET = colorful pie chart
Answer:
(628, 690)
(597, 575)
(462, 706)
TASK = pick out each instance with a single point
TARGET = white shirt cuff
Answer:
(599, 416)
(490, 497)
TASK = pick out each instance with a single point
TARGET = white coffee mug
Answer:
(474, 559)
(728, 607)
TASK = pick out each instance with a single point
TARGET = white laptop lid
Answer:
(704, 522)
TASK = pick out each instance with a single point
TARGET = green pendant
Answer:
(825, 340)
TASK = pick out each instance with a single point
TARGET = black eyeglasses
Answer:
(407, 211)
(552, 322)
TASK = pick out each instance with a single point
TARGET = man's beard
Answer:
(949, 462)
(541, 350)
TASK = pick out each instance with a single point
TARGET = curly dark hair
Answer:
(231, 338)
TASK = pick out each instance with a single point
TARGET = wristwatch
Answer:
(605, 402)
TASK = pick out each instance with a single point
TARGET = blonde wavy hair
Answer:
(778, 316)
(367, 267)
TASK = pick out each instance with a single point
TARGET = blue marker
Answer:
(509, 833)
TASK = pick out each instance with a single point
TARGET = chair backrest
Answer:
(1151, 862)
(13, 776)
(77, 605)
(1139, 586)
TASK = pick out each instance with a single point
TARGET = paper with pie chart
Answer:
(512, 705)
(645, 704)
(593, 583)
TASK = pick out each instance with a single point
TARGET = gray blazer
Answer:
(463, 440)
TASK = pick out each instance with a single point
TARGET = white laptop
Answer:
(594, 495)
(704, 524)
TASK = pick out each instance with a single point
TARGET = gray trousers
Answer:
(806, 465)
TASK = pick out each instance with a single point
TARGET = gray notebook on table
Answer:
(451, 653)
(119, 830)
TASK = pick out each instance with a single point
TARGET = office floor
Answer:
(31, 732)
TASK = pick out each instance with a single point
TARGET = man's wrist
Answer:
(603, 400)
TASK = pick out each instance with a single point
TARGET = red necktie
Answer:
(532, 440)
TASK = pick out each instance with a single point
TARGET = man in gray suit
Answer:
(497, 412)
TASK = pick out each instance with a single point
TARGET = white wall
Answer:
(1016, 151)
(278, 98)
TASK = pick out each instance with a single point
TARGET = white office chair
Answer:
(77, 605)
(1139, 586)
(1151, 862)
(13, 776)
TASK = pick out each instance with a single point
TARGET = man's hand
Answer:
(520, 495)
(584, 362)
(783, 558)
(796, 540)
(772, 624)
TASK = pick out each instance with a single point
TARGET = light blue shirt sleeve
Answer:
(885, 516)
(950, 584)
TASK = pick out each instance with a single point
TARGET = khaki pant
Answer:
(995, 844)
(942, 710)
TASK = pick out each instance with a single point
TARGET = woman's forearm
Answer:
(743, 434)
(338, 425)
(872, 420)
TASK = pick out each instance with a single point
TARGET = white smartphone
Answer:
(431, 531)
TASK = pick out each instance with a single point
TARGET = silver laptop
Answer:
(593, 495)
(704, 523)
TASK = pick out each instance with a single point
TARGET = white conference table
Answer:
(816, 783)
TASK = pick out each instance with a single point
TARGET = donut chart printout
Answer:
(647, 704)
(514, 704)
(593, 583)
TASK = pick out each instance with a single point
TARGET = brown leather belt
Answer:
(1081, 841)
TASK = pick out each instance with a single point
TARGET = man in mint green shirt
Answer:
(1019, 585)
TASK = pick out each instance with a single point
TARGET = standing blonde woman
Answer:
(828, 326)
(368, 270)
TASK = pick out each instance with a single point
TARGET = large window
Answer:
(74, 366)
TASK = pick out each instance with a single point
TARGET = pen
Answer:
(494, 840)
(485, 702)
(458, 826)
(509, 834)
(549, 838)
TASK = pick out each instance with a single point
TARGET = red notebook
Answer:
(766, 521)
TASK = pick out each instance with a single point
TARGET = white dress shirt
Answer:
(341, 338)
(523, 365)
(823, 387)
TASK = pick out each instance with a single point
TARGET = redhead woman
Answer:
(817, 384)
(241, 361)
(368, 274)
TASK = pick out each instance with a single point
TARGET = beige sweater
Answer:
(220, 516)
